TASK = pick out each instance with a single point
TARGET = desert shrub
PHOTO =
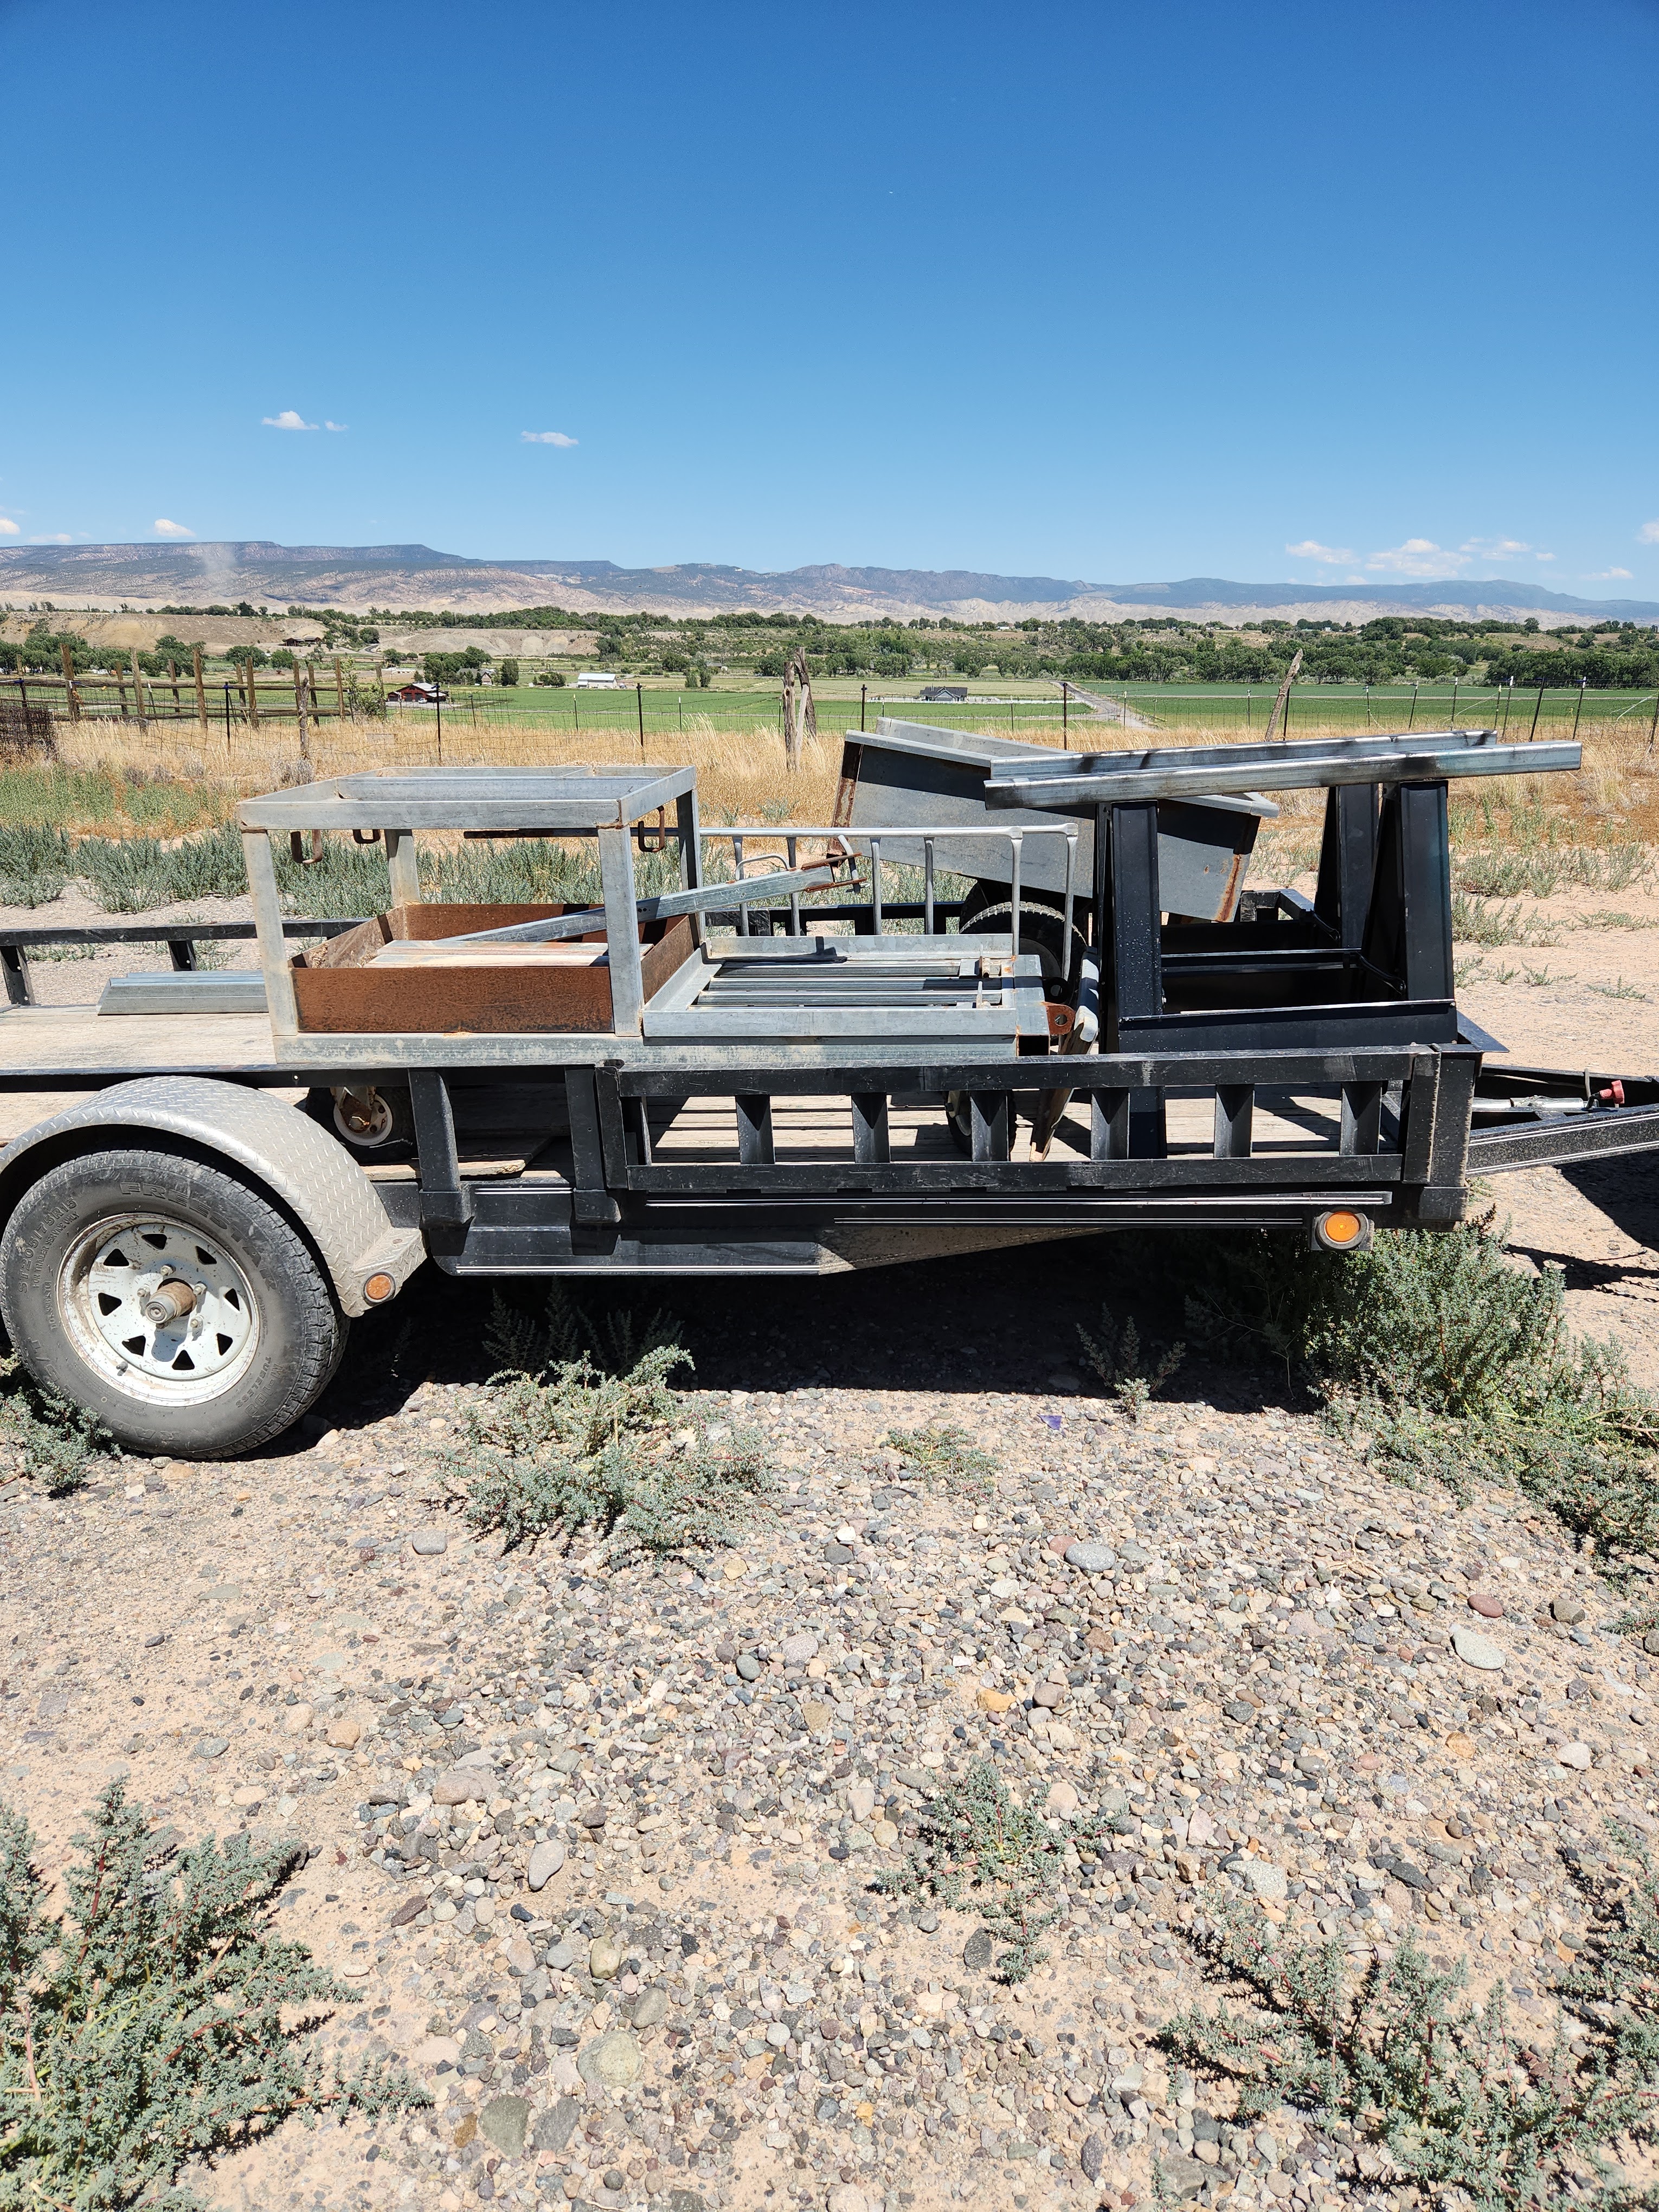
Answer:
(35, 864)
(1446, 1360)
(562, 1441)
(1119, 1363)
(158, 2019)
(1466, 2109)
(42, 1435)
(980, 1850)
(944, 1453)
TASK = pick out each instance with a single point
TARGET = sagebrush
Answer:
(159, 2020)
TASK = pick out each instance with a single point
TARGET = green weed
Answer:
(158, 2019)
(946, 1454)
(556, 1444)
(1115, 1359)
(46, 1438)
(1465, 2108)
(1475, 922)
(1619, 988)
(1442, 1360)
(980, 1851)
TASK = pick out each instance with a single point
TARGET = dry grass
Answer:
(169, 780)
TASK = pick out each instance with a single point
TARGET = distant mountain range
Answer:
(413, 576)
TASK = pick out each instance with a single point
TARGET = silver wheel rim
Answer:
(127, 1262)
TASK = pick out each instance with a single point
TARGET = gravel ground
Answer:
(597, 1848)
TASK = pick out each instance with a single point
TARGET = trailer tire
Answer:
(1042, 931)
(228, 1329)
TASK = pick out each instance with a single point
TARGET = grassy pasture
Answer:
(1514, 836)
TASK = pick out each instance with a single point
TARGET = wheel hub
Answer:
(159, 1307)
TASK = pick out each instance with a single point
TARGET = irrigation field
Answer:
(1036, 713)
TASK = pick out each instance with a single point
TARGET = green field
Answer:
(1035, 708)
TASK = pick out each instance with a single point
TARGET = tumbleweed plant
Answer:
(980, 1850)
(159, 2020)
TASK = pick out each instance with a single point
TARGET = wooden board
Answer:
(343, 989)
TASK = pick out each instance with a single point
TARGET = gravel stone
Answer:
(1477, 1650)
(429, 1543)
(611, 2061)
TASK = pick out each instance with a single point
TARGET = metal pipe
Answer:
(790, 847)
(1071, 889)
(737, 870)
(875, 884)
(1014, 859)
(928, 885)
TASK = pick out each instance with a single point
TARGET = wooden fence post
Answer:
(138, 690)
(201, 691)
(172, 678)
(339, 690)
(253, 694)
(302, 685)
(71, 695)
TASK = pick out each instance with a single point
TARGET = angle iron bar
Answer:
(752, 891)
(1123, 786)
(993, 1169)
(1084, 1071)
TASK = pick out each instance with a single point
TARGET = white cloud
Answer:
(1648, 534)
(546, 438)
(1490, 549)
(55, 537)
(1311, 550)
(327, 425)
(8, 527)
(1418, 556)
(288, 420)
(1543, 557)
(163, 528)
(1608, 575)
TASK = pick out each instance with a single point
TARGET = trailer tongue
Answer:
(1046, 1004)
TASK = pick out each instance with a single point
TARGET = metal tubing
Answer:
(1361, 1117)
(755, 1145)
(444, 1197)
(1014, 859)
(988, 1124)
(1071, 892)
(1235, 1106)
(927, 886)
(871, 1145)
(403, 865)
(875, 884)
(622, 932)
(15, 963)
(268, 920)
(791, 852)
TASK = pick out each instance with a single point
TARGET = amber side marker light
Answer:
(1342, 1230)
(378, 1289)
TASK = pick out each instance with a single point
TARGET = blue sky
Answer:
(1273, 292)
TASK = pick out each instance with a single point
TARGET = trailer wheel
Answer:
(169, 1299)
(1042, 931)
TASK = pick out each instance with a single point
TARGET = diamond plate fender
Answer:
(298, 1162)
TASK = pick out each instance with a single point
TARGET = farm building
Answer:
(416, 695)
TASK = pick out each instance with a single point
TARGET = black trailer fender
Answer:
(273, 1143)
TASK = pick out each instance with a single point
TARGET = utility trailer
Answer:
(859, 1055)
